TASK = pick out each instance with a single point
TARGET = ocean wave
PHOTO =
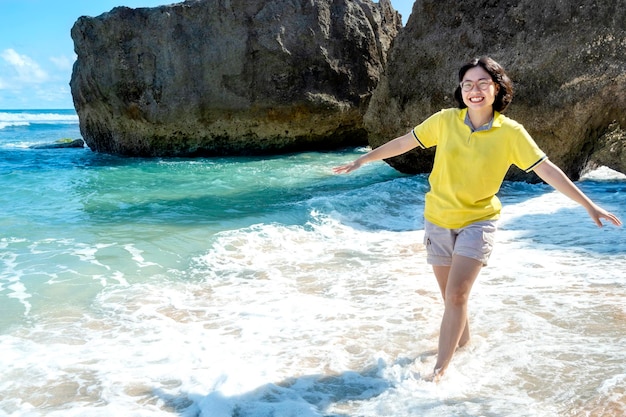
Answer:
(27, 118)
(602, 174)
(7, 124)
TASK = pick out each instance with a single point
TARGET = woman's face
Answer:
(478, 89)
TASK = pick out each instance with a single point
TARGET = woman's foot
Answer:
(435, 376)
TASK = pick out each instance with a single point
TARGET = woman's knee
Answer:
(456, 298)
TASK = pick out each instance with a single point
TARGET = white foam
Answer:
(10, 278)
(137, 257)
(312, 321)
(603, 174)
(19, 292)
(4, 125)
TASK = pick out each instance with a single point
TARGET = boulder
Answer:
(566, 60)
(216, 77)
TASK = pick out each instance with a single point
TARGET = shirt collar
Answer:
(496, 121)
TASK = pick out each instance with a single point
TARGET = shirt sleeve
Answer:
(525, 153)
(428, 132)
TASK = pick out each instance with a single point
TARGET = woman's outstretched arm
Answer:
(553, 175)
(395, 147)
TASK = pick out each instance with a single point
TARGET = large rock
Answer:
(229, 76)
(566, 59)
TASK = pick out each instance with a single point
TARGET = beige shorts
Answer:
(473, 241)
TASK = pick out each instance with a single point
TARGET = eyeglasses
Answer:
(469, 85)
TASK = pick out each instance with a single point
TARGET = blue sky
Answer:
(37, 52)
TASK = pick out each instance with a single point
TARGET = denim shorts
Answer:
(473, 241)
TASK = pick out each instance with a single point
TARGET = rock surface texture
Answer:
(566, 59)
(210, 77)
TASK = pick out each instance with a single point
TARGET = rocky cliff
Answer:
(566, 58)
(208, 77)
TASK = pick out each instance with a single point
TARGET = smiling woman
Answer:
(479, 96)
(461, 210)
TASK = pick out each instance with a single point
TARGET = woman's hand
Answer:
(390, 149)
(352, 166)
(596, 213)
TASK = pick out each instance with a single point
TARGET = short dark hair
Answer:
(498, 75)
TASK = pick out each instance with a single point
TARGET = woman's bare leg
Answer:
(441, 273)
(461, 277)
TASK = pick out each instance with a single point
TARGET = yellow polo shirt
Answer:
(470, 165)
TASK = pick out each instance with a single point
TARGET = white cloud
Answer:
(55, 93)
(27, 69)
(26, 84)
(62, 62)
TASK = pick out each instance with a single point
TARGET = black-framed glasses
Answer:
(469, 85)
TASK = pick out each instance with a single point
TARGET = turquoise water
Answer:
(71, 215)
(268, 286)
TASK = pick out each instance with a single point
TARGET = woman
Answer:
(476, 145)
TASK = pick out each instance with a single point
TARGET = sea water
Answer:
(270, 287)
